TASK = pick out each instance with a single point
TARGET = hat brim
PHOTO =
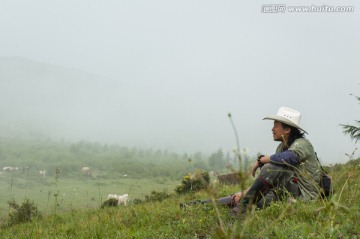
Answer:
(284, 120)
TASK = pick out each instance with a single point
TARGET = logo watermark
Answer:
(283, 8)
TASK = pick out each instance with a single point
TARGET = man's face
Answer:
(280, 133)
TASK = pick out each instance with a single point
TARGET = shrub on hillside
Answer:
(353, 131)
(24, 213)
(137, 201)
(193, 182)
(156, 196)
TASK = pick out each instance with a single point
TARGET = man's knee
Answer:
(274, 174)
(269, 172)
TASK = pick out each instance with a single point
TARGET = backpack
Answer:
(326, 186)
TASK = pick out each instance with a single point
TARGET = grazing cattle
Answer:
(232, 178)
(9, 169)
(42, 172)
(86, 171)
(121, 199)
(213, 174)
(112, 196)
(213, 177)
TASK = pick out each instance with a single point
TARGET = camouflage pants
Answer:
(281, 179)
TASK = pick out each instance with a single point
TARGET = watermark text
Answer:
(283, 8)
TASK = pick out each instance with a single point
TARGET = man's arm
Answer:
(286, 157)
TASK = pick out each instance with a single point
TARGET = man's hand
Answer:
(237, 196)
(258, 164)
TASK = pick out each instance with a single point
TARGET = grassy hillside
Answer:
(337, 217)
(114, 169)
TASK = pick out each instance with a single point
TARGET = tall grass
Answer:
(336, 217)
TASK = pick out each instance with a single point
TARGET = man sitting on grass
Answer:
(293, 168)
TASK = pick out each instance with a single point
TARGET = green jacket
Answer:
(308, 171)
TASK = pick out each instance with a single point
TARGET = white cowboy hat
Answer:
(287, 116)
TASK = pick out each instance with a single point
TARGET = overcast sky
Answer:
(180, 67)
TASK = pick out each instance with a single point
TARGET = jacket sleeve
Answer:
(286, 157)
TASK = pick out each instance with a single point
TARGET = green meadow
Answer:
(70, 204)
(114, 170)
(75, 193)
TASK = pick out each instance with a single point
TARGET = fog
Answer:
(165, 74)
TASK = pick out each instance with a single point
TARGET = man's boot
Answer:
(259, 187)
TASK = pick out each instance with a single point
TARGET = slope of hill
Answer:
(48, 98)
(336, 217)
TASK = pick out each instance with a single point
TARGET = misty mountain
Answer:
(48, 98)
(67, 103)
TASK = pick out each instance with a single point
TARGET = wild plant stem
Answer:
(237, 139)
